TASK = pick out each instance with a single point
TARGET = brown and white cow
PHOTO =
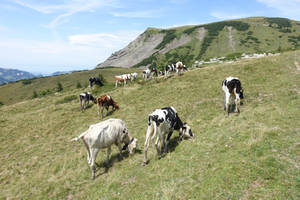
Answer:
(104, 102)
(122, 78)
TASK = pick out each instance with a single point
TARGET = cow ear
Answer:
(184, 123)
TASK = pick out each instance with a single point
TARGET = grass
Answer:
(254, 155)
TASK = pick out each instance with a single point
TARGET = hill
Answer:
(158, 47)
(11, 75)
(44, 86)
(254, 155)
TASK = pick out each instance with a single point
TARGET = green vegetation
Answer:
(280, 22)
(170, 35)
(59, 87)
(254, 155)
(78, 85)
(1, 104)
(26, 81)
(34, 94)
(67, 99)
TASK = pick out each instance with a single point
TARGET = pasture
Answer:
(254, 155)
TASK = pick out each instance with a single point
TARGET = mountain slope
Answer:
(11, 75)
(158, 47)
(254, 155)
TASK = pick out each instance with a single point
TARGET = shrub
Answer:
(34, 94)
(26, 82)
(78, 85)
(1, 104)
(59, 87)
(45, 92)
(101, 77)
(169, 36)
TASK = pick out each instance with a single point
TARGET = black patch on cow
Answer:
(155, 119)
(173, 118)
(235, 83)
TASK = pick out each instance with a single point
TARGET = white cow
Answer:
(103, 135)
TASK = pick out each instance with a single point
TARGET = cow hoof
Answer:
(144, 163)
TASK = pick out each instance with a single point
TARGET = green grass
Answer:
(254, 155)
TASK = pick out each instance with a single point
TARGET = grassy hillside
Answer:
(248, 35)
(23, 90)
(254, 155)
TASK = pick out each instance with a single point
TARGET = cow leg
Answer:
(157, 145)
(227, 102)
(167, 142)
(102, 111)
(94, 153)
(147, 142)
(87, 151)
(116, 84)
(107, 155)
(120, 149)
(99, 107)
(237, 103)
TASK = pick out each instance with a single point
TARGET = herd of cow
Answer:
(161, 123)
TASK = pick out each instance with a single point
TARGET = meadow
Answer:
(253, 155)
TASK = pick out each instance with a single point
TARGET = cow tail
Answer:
(79, 137)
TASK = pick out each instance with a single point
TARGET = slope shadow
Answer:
(113, 159)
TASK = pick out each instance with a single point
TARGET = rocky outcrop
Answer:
(135, 52)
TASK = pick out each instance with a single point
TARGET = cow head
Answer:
(241, 94)
(186, 131)
(132, 146)
(129, 141)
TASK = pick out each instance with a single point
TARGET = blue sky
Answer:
(44, 36)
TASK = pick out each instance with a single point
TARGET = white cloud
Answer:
(224, 15)
(288, 8)
(138, 14)
(66, 10)
(80, 51)
(113, 41)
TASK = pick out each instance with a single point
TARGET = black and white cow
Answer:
(232, 89)
(96, 81)
(169, 69)
(164, 121)
(85, 99)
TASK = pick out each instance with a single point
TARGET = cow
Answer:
(121, 78)
(104, 135)
(104, 102)
(179, 68)
(169, 69)
(164, 121)
(133, 76)
(85, 99)
(148, 73)
(96, 81)
(232, 89)
(185, 68)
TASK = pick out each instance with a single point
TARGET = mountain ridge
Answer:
(158, 47)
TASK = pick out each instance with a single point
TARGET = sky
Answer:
(45, 36)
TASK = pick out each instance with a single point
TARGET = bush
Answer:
(59, 87)
(101, 77)
(45, 92)
(1, 104)
(34, 94)
(26, 82)
(169, 36)
(78, 85)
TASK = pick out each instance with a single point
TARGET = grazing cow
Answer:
(85, 99)
(169, 69)
(134, 76)
(104, 135)
(185, 68)
(96, 81)
(164, 121)
(121, 78)
(232, 89)
(147, 73)
(104, 102)
(179, 68)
